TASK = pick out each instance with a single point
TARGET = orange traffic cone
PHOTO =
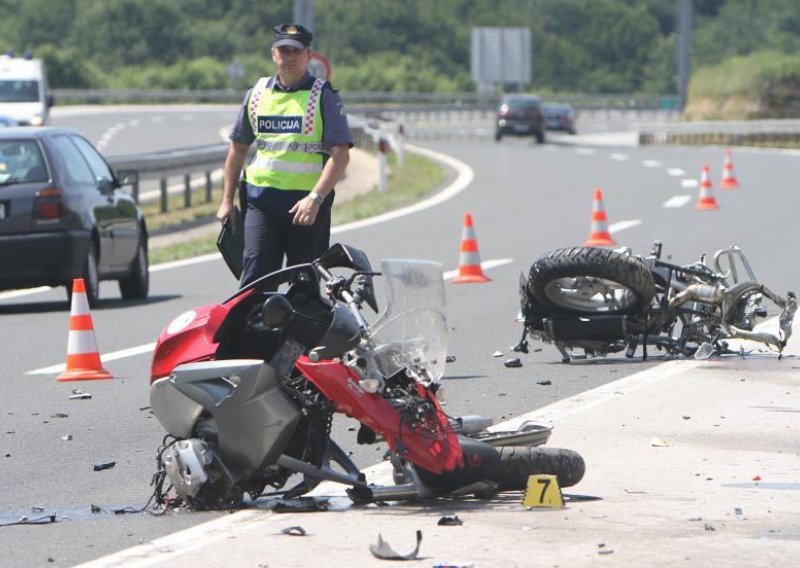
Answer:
(707, 200)
(729, 180)
(469, 262)
(83, 359)
(599, 235)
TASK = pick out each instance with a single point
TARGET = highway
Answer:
(526, 199)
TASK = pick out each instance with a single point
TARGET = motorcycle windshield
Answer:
(412, 330)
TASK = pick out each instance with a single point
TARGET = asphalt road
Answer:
(525, 200)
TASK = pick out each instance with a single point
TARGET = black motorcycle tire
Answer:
(517, 463)
(622, 270)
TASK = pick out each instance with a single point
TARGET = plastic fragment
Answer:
(59, 415)
(78, 394)
(67, 438)
(294, 531)
(544, 383)
(382, 550)
(104, 465)
(450, 359)
(757, 478)
(659, 442)
(497, 354)
(513, 362)
(450, 521)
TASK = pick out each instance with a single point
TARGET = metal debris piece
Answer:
(78, 394)
(67, 438)
(709, 527)
(301, 505)
(104, 465)
(544, 383)
(382, 550)
(450, 359)
(686, 417)
(450, 521)
(145, 407)
(513, 362)
(294, 531)
(603, 549)
(37, 509)
(95, 508)
(59, 415)
(737, 511)
(497, 354)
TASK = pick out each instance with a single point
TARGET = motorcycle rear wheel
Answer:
(518, 463)
(590, 281)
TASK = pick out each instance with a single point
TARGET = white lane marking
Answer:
(585, 151)
(463, 179)
(121, 354)
(147, 348)
(676, 172)
(485, 265)
(620, 157)
(689, 183)
(622, 225)
(651, 163)
(677, 201)
(18, 293)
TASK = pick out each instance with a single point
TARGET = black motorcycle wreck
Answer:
(247, 390)
(607, 301)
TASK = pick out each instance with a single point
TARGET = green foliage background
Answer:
(587, 46)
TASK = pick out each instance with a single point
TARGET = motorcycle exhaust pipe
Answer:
(404, 492)
(319, 473)
(697, 293)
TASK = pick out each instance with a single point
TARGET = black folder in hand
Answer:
(230, 243)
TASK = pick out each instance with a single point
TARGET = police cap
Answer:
(294, 35)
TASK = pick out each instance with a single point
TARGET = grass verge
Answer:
(416, 178)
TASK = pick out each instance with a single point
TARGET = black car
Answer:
(520, 115)
(64, 214)
(559, 116)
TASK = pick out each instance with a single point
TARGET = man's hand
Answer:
(225, 213)
(304, 212)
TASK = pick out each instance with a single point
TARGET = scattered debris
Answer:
(737, 511)
(513, 362)
(67, 438)
(24, 520)
(450, 521)
(301, 505)
(757, 478)
(544, 383)
(659, 442)
(383, 551)
(95, 508)
(104, 465)
(687, 417)
(450, 564)
(59, 415)
(603, 549)
(145, 408)
(37, 509)
(294, 531)
(78, 394)
(497, 354)
(709, 527)
(450, 359)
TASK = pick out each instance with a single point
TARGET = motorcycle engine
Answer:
(185, 462)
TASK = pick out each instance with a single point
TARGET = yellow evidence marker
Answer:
(543, 491)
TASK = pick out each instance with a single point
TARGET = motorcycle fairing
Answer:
(435, 453)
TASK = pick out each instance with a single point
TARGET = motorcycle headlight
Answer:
(36, 120)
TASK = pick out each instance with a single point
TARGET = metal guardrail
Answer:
(772, 133)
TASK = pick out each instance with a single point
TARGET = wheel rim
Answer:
(590, 294)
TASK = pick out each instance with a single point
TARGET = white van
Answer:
(24, 95)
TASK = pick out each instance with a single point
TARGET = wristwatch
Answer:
(316, 197)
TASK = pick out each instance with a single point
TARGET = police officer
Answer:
(303, 146)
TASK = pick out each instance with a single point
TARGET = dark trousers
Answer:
(269, 235)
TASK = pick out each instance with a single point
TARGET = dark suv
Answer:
(520, 115)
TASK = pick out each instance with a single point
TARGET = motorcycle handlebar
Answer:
(339, 289)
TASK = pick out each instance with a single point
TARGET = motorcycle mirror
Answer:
(276, 312)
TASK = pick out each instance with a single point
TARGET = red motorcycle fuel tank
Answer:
(188, 338)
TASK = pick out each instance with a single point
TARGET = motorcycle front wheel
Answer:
(590, 281)
(517, 463)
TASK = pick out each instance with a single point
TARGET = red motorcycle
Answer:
(246, 390)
